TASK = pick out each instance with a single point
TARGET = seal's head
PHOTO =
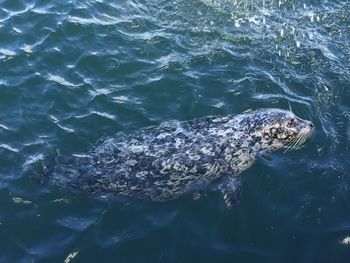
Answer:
(279, 129)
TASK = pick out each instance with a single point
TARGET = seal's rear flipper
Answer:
(230, 188)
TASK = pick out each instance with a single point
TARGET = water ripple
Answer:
(62, 81)
(102, 114)
(8, 147)
(75, 223)
(7, 52)
(75, 71)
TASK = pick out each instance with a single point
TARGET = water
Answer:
(75, 71)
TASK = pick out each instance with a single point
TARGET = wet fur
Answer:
(164, 162)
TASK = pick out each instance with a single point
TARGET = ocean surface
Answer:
(74, 71)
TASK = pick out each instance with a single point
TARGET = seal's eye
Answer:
(291, 122)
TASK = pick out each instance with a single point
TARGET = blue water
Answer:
(74, 71)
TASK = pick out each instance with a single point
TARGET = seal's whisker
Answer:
(287, 148)
(296, 144)
(291, 144)
(300, 141)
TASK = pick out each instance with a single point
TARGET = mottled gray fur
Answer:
(164, 162)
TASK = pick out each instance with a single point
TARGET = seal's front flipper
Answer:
(198, 187)
(230, 188)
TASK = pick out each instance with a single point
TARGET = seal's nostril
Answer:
(311, 125)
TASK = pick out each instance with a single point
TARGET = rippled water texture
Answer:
(72, 72)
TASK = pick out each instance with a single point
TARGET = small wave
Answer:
(20, 200)
(8, 147)
(33, 159)
(75, 223)
(97, 92)
(65, 128)
(11, 14)
(121, 99)
(17, 30)
(91, 21)
(29, 48)
(56, 120)
(62, 81)
(7, 52)
(280, 96)
(102, 114)
(4, 127)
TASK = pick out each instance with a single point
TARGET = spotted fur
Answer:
(164, 162)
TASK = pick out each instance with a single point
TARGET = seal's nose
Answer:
(311, 125)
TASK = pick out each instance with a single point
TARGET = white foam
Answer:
(7, 52)
(346, 241)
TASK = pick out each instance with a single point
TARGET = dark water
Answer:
(74, 71)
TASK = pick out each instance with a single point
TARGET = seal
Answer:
(164, 162)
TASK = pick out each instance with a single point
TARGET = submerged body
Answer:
(167, 161)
